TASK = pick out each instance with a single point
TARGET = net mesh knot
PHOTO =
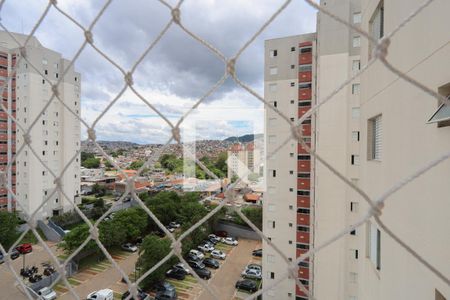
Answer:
(129, 79)
(3, 179)
(297, 132)
(23, 52)
(231, 67)
(176, 134)
(27, 138)
(55, 90)
(177, 247)
(89, 37)
(91, 134)
(94, 233)
(377, 209)
(176, 15)
(381, 50)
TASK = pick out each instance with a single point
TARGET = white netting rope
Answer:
(376, 205)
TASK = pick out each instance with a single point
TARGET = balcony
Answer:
(3, 62)
(4, 72)
(304, 166)
(302, 219)
(299, 292)
(305, 58)
(303, 273)
(303, 183)
(301, 150)
(302, 237)
(305, 76)
(304, 94)
(303, 201)
(306, 129)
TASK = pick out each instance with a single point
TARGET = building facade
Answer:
(243, 160)
(289, 84)
(377, 131)
(55, 138)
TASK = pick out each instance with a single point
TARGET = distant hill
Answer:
(244, 138)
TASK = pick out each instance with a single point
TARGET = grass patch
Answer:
(73, 281)
(91, 260)
(31, 238)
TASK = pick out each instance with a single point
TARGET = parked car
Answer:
(196, 253)
(163, 287)
(257, 252)
(141, 295)
(205, 248)
(221, 233)
(174, 224)
(208, 242)
(213, 238)
(247, 285)
(254, 267)
(47, 293)
(176, 273)
(129, 247)
(196, 264)
(203, 273)
(218, 254)
(251, 273)
(211, 263)
(166, 295)
(105, 294)
(230, 241)
(24, 248)
(14, 254)
(171, 229)
(181, 266)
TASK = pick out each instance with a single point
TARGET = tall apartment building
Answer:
(376, 132)
(244, 159)
(289, 84)
(55, 137)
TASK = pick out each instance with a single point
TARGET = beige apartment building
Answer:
(55, 137)
(377, 131)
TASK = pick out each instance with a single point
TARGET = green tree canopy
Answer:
(91, 163)
(8, 228)
(135, 165)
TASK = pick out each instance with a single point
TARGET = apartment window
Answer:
(274, 173)
(290, 224)
(303, 175)
(303, 193)
(355, 160)
(273, 53)
(374, 245)
(353, 277)
(273, 71)
(273, 103)
(291, 154)
(304, 85)
(438, 295)
(291, 172)
(273, 87)
(355, 88)
(355, 136)
(306, 50)
(355, 253)
(56, 75)
(292, 49)
(291, 207)
(304, 282)
(271, 275)
(302, 228)
(441, 116)
(374, 135)
(43, 81)
(353, 232)
(292, 83)
(354, 206)
(303, 157)
(356, 65)
(303, 210)
(292, 67)
(302, 246)
(356, 41)
(355, 112)
(304, 103)
(305, 68)
(357, 17)
(43, 153)
(376, 23)
(45, 72)
(45, 143)
(271, 224)
(292, 119)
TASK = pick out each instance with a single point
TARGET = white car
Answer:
(129, 247)
(174, 224)
(218, 254)
(205, 248)
(171, 229)
(230, 241)
(251, 274)
(105, 294)
(254, 267)
(196, 253)
(47, 293)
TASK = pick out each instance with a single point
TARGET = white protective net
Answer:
(376, 205)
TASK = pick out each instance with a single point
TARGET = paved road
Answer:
(230, 272)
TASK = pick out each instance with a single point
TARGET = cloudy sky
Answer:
(177, 72)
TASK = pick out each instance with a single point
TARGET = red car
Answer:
(24, 248)
(222, 233)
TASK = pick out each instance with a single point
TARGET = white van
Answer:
(105, 294)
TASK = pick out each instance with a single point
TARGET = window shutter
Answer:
(377, 130)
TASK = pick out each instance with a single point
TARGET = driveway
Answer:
(225, 279)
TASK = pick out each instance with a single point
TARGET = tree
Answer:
(154, 250)
(133, 221)
(108, 165)
(99, 202)
(135, 165)
(253, 213)
(8, 228)
(99, 190)
(75, 238)
(91, 163)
